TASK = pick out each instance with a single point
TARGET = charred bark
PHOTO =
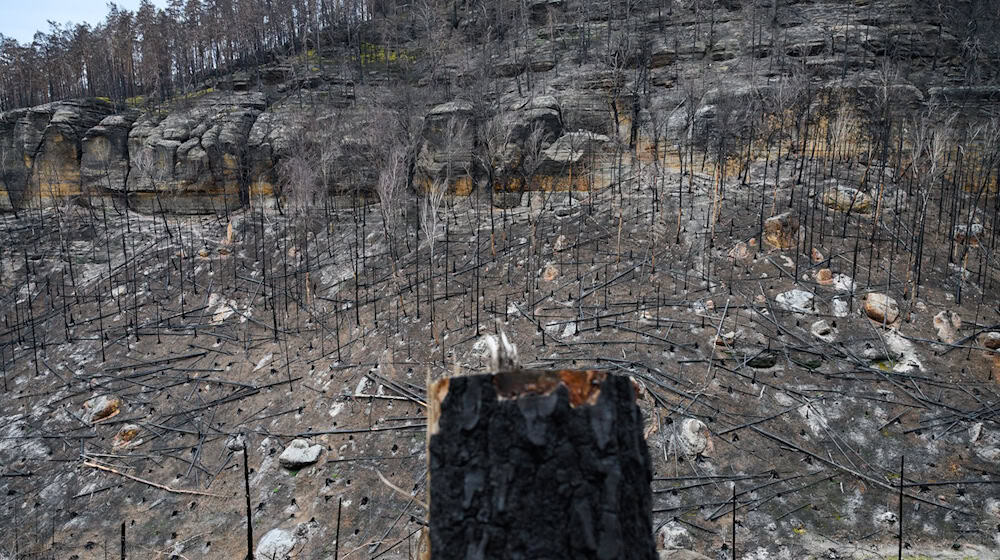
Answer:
(532, 464)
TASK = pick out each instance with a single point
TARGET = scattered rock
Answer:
(975, 431)
(702, 307)
(561, 243)
(781, 231)
(881, 308)
(824, 277)
(846, 199)
(843, 283)
(276, 544)
(993, 507)
(947, 325)
(692, 438)
(126, 436)
(236, 443)
(673, 536)
(839, 308)
(102, 408)
(550, 273)
(740, 251)
(569, 330)
(823, 331)
(904, 349)
(808, 360)
(300, 454)
(764, 359)
(729, 338)
(816, 256)
(798, 301)
(985, 443)
(221, 308)
(886, 517)
(991, 340)
(968, 234)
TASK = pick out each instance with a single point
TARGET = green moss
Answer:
(884, 365)
(378, 54)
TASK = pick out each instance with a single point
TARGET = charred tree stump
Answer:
(538, 465)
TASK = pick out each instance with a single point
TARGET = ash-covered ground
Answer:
(141, 352)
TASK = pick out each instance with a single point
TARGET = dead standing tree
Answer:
(301, 170)
(928, 143)
(430, 221)
(148, 166)
(550, 464)
(390, 183)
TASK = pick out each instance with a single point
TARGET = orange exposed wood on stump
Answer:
(583, 386)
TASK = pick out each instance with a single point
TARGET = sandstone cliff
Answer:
(644, 82)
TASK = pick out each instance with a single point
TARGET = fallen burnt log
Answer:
(538, 465)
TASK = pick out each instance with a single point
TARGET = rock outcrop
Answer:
(672, 85)
(13, 174)
(446, 152)
(193, 159)
(41, 148)
(104, 165)
(538, 155)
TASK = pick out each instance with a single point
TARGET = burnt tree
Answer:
(538, 464)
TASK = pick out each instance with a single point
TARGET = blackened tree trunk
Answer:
(536, 464)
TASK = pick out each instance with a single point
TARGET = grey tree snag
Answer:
(538, 465)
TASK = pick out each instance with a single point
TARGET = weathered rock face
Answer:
(224, 146)
(290, 128)
(40, 150)
(575, 161)
(193, 160)
(56, 167)
(13, 174)
(270, 138)
(451, 135)
(104, 165)
(446, 150)
(543, 112)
